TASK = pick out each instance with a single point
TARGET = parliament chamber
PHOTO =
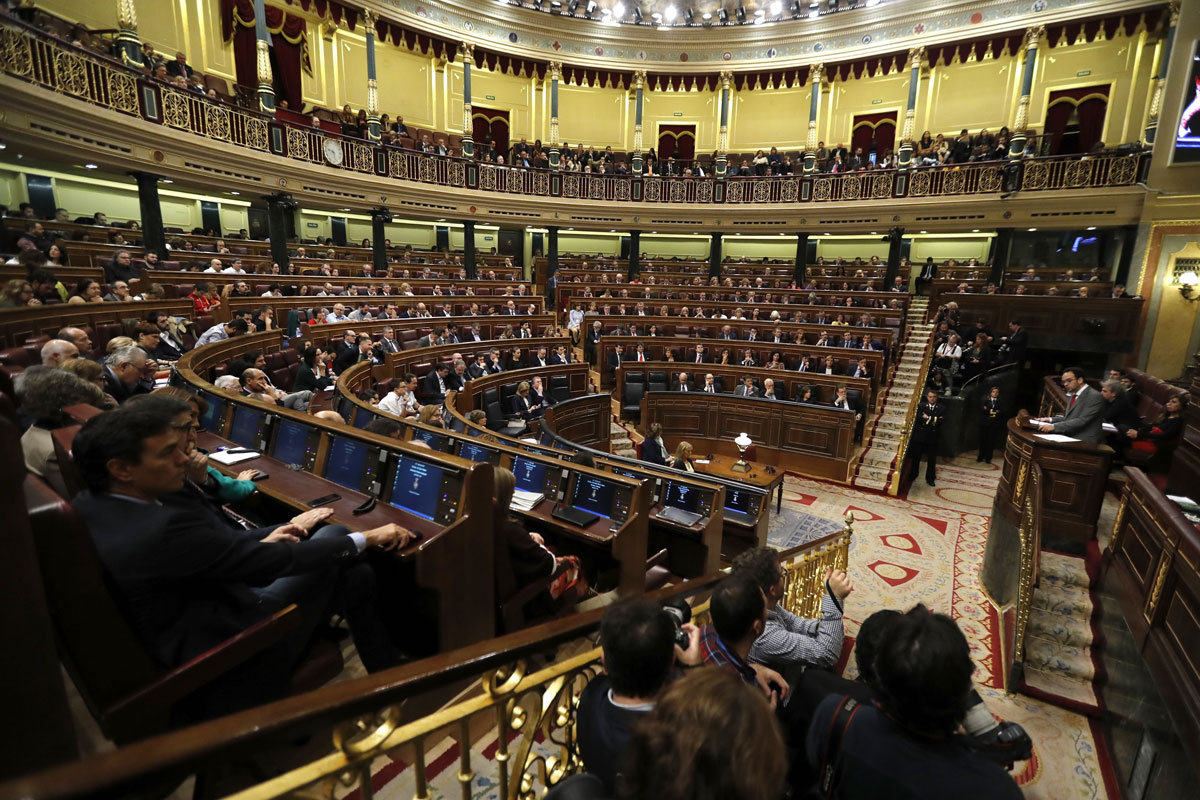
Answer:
(365, 367)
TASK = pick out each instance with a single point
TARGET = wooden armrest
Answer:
(172, 686)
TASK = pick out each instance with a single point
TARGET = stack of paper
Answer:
(230, 458)
(525, 501)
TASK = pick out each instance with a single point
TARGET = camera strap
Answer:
(831, 750)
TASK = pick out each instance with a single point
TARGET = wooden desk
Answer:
(1075, 477)
(1093, 325)
(811, 440)
(447, 572)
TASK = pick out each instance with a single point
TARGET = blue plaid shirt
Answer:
(714, 653)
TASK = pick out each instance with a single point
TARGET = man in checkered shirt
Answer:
(788, 641)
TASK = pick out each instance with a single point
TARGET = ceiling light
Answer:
(618, 10)
(591, 8)
(90, 165)
(924, 231)
(670, 13)
(872, 3)
(605, 13)
(571, 6)
(167, 180)
(3, 145)
(235, 193)
(814, 12)
(760, 13)
(974, 230)
(657, 17)
(1031, 230)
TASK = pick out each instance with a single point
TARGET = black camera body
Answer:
(680, 613)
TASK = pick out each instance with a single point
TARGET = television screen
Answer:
(473, 452)
(362, 416)
(436, 441)
(246, 426)
(211, 421)
(416, 487)
(1187, 135)
(737, 500)
(347, 462)
(291, 442)
(593, 494)
(531, 475)
(680, 495)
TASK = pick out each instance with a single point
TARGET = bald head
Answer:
(56, 351)
(78, 337)
(330, 416)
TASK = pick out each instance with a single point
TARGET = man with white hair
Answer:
(123, 372)
(56, 351)
(230, 384)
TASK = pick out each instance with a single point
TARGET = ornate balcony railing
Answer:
(33, 56)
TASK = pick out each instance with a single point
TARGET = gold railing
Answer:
(1030, 535)
(34, 56)
(806, 569)
(913, 403)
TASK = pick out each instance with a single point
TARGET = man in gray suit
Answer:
(747, 389)
(1084, 415)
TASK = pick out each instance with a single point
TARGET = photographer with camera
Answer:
(641, 650)
(739, 617)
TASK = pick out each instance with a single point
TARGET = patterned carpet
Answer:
(927, 547)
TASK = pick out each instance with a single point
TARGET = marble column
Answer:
(367, 19)
(128, 44)
(1160, 78)
(468, 141)
(266, 82)
(555, 154)
(639, 88)
(910, 113)
(1032, 38)
(815, 76)
(722, 164)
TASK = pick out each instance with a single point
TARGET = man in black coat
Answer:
(1014, 343)
(924, 439)
(434, 383)
(188, 581)
(992, 419)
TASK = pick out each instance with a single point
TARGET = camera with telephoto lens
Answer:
(680, 613)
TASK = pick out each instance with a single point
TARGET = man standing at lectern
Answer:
(1084, 416)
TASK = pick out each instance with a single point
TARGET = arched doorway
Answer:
(490, 123)
(678, 141)
(1075, 118)
(873, 132)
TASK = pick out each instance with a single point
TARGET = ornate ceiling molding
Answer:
(889, 27)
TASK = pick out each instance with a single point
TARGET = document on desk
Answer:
(229, 459)
(1108, 427)
(701, 461)
(524, 501)
(1055, 437)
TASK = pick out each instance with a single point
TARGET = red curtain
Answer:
(1075, 118)
(288, 47)
(490, 123)
(678, 141)
(878, 127)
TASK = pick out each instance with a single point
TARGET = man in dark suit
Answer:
(539, 359)
(472, 334)
(710, 385)
(747, 389)
(727, 333)
(479, 368)
(353, 355)
(456, 379)
(123, 372)
(697, 356)
(495, 362)
(768, 392)
(683, 384)
(1083, 418)
(560, 356)
(186, 580)
(387, 344)
(924, 440)
(592, 340)
(860, 369)
(1014, 343)
(842, 400)
(615, 359)
(928, 273)
(434, 384)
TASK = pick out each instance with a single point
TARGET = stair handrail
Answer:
(1029, 532)
(914, 401)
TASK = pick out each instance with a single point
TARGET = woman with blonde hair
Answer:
(683, 457)
(430, 414)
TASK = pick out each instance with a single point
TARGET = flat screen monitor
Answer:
(474, 452)
(347, 462)
(737, 500)
(680, 495)
(291, 442)
(416, 487)
(346, 409)
(593, 494)
(436, 441)
(531, 475)
(362, 416)
(211, 421)
(247, 425)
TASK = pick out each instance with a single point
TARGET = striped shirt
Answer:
(788, 639)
